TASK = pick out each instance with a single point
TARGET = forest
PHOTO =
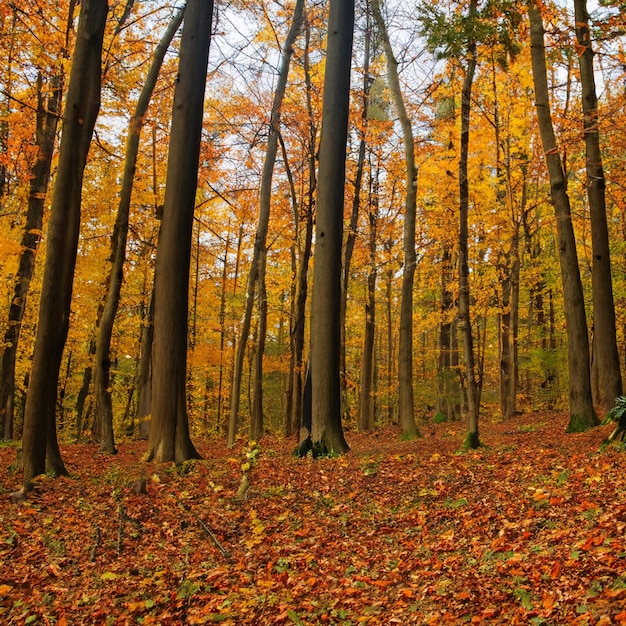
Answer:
(367, 232)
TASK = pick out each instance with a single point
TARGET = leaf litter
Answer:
(530, 529)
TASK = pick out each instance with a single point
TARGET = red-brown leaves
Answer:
(531, 529)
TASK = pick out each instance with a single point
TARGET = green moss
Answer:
(581, 423)
(472, 441)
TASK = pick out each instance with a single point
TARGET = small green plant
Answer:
(440, 418)
(617, 414)
(247, 465)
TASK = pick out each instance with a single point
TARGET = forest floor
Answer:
(530, 529)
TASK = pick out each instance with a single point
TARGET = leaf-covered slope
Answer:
(530, 530)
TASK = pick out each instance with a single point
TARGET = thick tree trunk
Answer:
(39, 443)
(605, 359)
(169, 429)
(257, 268)
(406, 402)
(327, 431)
(102, 384)
(582, 413)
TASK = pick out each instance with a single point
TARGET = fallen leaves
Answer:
(530, 530)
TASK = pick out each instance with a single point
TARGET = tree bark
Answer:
(45, 134)
(366, 396)
(465, 319)
(143, 378)
(102, 383)
(406, 401)
(326, 431)
(169, 429)
(297, 331)
(39, 443)
(356, 201)
(582, 413)
(605, 355)
(257, 268)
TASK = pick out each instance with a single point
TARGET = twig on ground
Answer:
(120, 526)
(208, 531)
(97, 536)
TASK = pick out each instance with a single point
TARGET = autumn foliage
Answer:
(529, 530)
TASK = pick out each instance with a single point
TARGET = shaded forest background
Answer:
(516, 292)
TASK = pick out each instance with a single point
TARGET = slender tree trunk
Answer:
(257, 268)
(45, 134)
(169, 429)
(39, 442)
(220, 384)
(406, 402)
(465, 320)
(605, 353)
(582, 413)
(102, 384)
(326, 430)
(356, 201)
(83, 394)
(366, 398)
(302, 286)
(390, 343)
(256, 416)
(4, 115)
(448, 402)
(143, 378)
(289, 423)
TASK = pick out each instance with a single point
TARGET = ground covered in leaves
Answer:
(530, 529)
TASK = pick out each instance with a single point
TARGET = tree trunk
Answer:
(102, 384)
(257, 268)
(39, 443)
(356, 201)
(582, 413)
(143, 378)
(366, 398)
(104, 406)
(220, 385)
(406, 402)
(327, 431)
(465, 320)
(169, 429)
(448, 402)
(605, 354)
(301, 290)
(45, 134)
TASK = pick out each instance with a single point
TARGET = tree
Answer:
(39, 442)
(465, 320)
(327, 431)
(351, 235)
(406, 402)
(104, 406)
(303, 254)
(169, 431)
(582, 413)
(606, 374)
(47, 116)
(257, 268)
(366, 396)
